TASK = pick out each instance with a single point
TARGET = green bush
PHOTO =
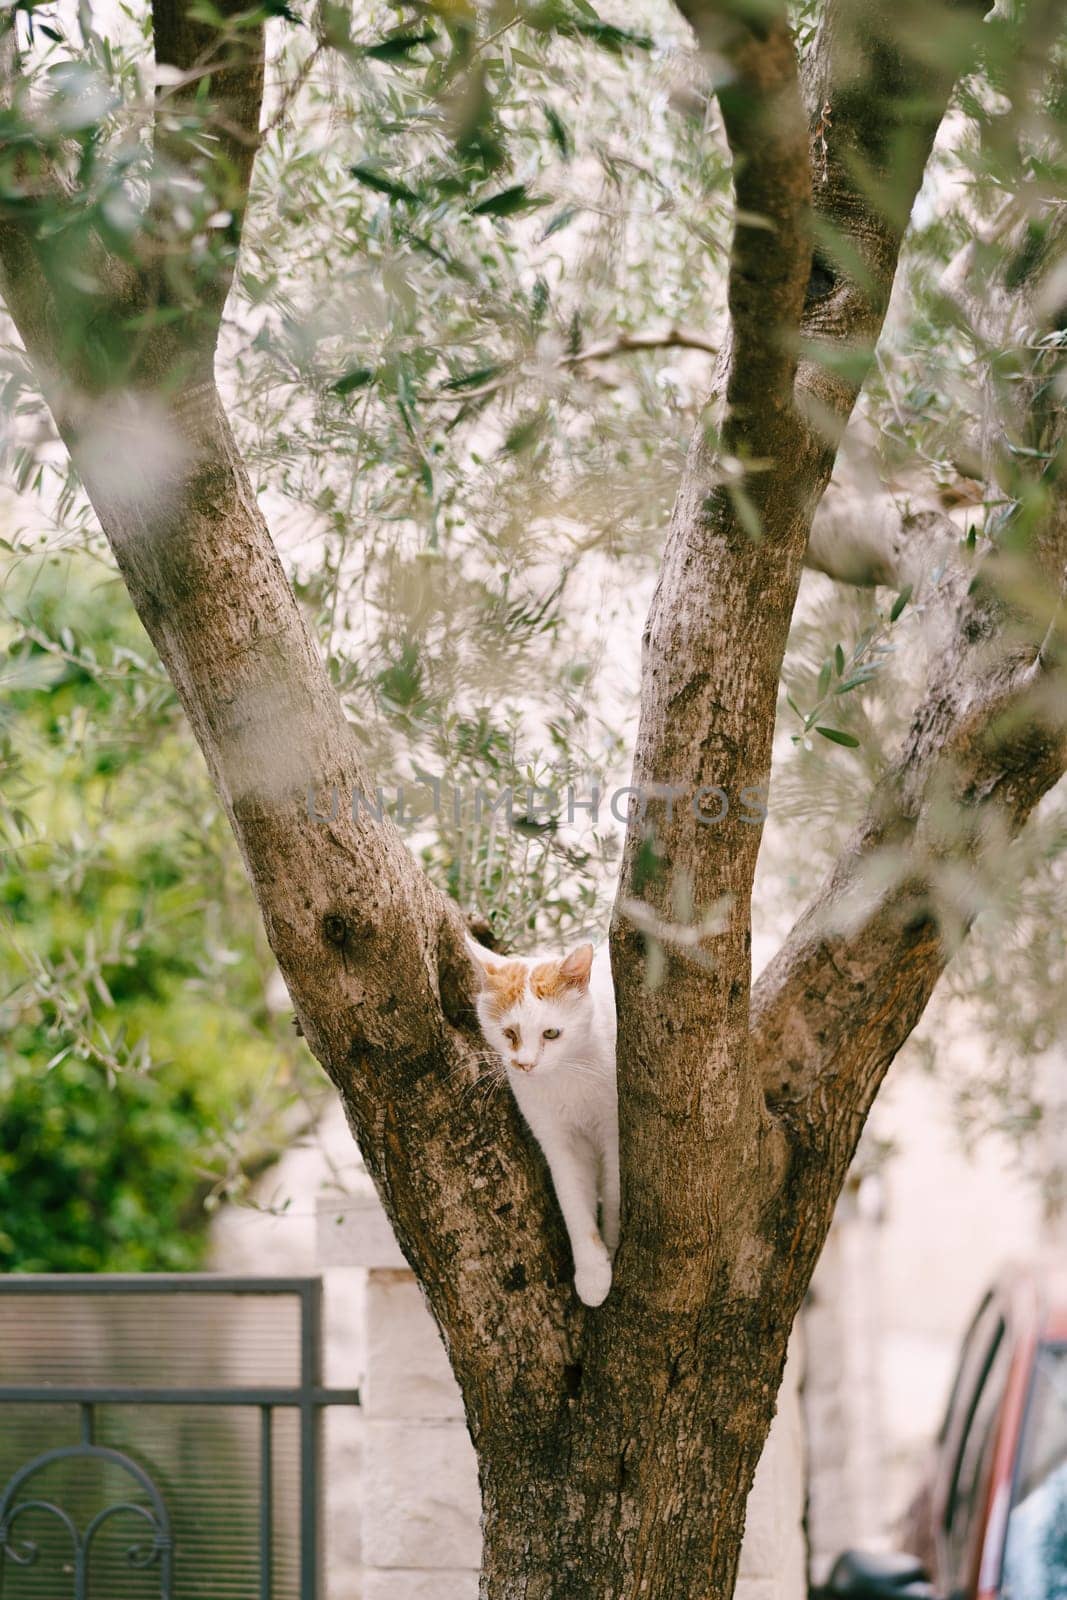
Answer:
(140, 1066)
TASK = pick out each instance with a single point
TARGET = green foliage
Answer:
(140, 1070)
(869, 655)
(97, 1176)
(456, 485)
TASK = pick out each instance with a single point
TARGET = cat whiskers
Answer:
(490, 1076)
(489, 1082)
(491, 1085)
(587, 1066)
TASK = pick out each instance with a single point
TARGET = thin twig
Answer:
(622, 344)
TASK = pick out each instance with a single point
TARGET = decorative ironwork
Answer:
(306, 1397)
(24, 1553)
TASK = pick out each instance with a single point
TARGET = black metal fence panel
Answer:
(160, 1437)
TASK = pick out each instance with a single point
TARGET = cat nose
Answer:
(523, 1066)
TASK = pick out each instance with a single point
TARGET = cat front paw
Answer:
(592, 1279)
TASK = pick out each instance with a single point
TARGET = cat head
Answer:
(537, 1014)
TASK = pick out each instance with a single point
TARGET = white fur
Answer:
(566, 1090)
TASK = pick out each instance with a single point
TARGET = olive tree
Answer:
(616, 1447)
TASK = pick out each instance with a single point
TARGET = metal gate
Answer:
(160, 1437)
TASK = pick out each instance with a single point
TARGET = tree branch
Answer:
(78, 324)
(875, 97)
(672, 338)
(606, 350)
(719, 1219)
(210, 93)
(720, 618)
(712, 651)
(755, 68)
(876, 545)
(740, 526)
(220, 66)
(373, 956)
(851, 981)
(987, 742)
(49, 305)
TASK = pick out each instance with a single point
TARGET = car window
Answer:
(972, 1359)
(973, 1457)
(1035, 1550)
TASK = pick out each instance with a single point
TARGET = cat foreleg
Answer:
(574, 1177)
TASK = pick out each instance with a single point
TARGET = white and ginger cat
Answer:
(552, 1022)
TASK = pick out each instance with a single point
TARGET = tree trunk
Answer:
(660, 1515)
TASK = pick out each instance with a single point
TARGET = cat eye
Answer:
(550, 1033)
(512, 1036)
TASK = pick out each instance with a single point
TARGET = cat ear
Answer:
(574, 969)
(486, 970)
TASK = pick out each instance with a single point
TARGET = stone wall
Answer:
(841, 1395)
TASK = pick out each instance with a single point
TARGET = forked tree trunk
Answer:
(627, 1474)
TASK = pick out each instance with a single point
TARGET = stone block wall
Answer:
(417, 1500)
(842, 1397)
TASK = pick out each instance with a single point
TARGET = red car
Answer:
(990, 1522)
